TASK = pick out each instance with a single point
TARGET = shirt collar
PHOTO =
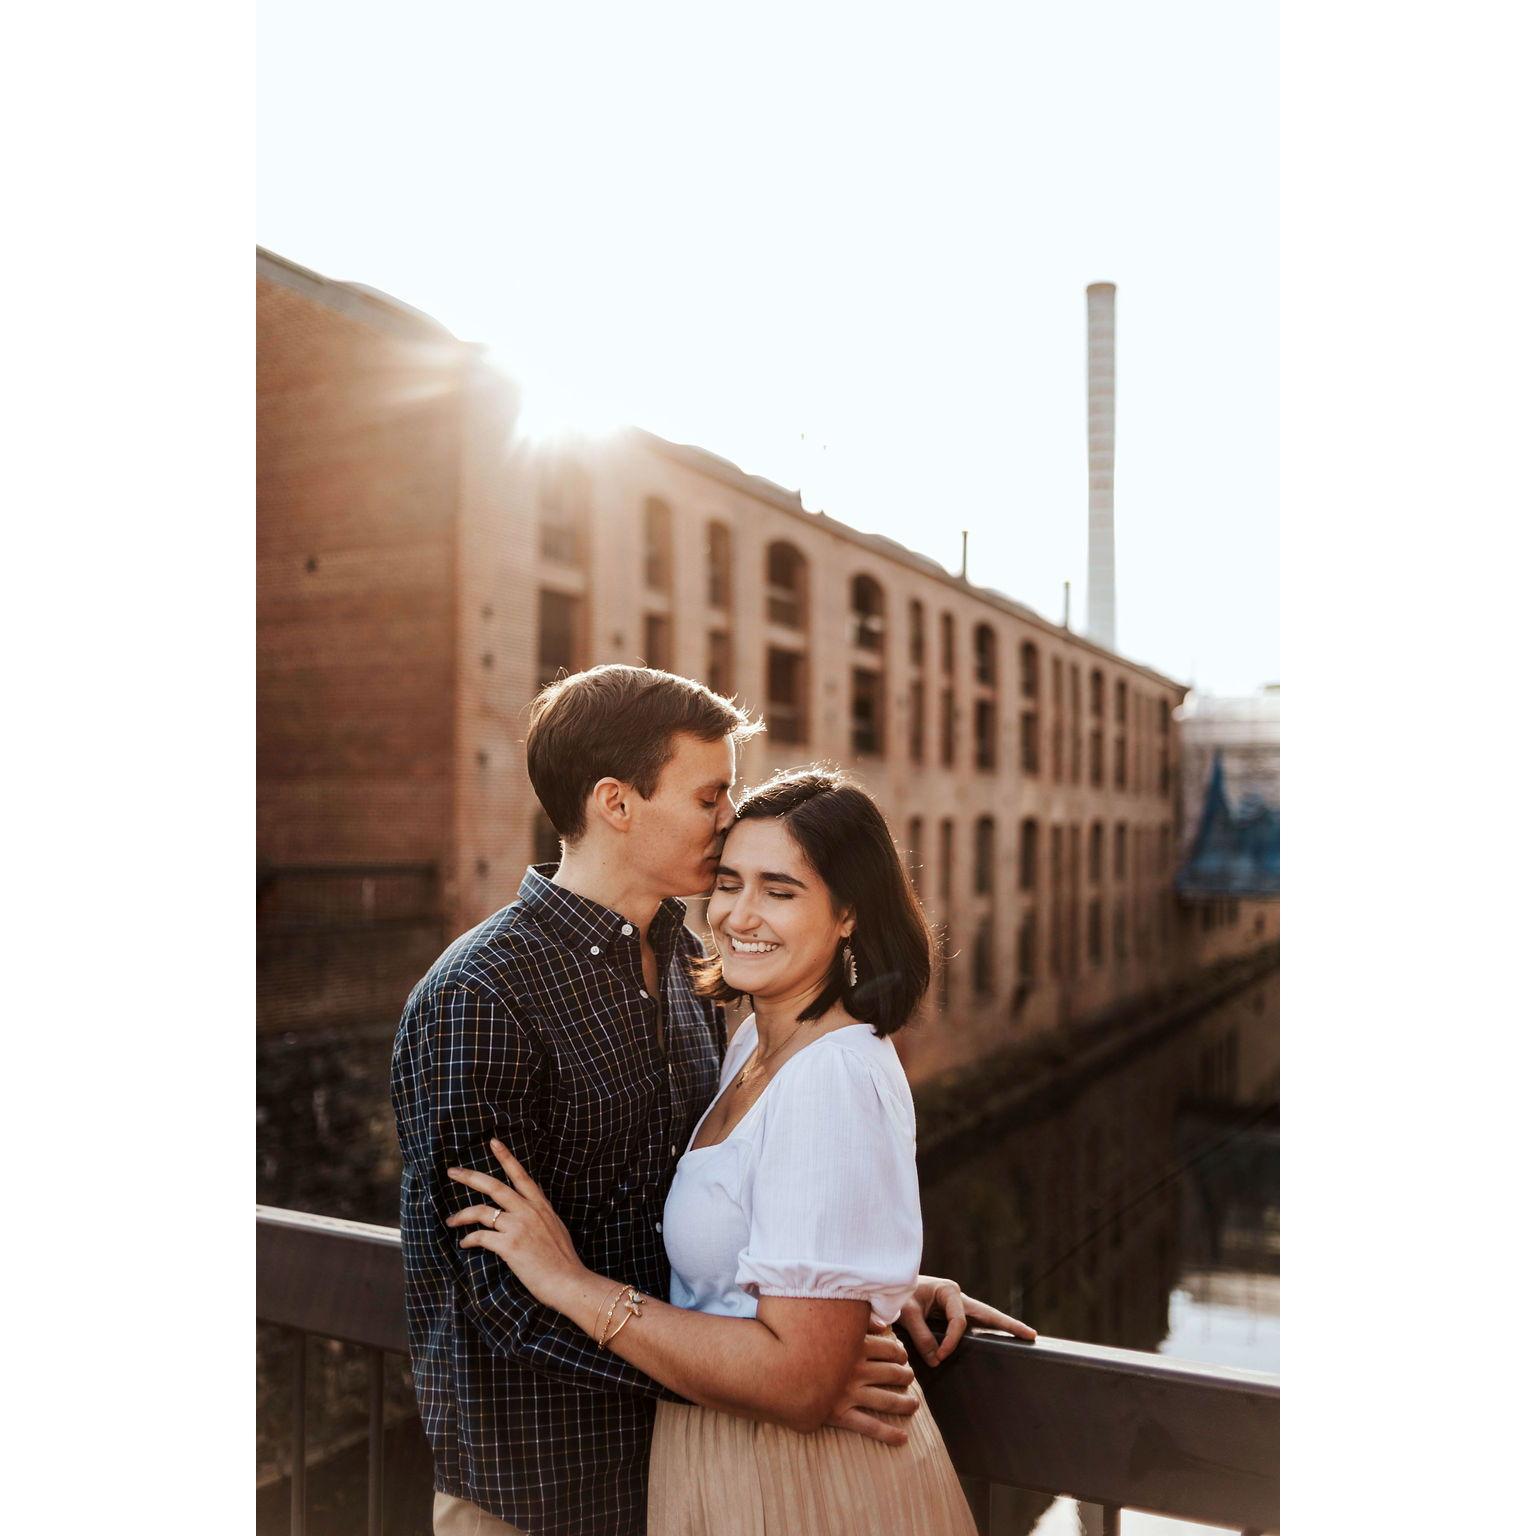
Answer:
(588, 925)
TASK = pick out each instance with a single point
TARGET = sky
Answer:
(845, 247)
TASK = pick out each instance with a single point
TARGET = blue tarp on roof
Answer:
(1235, 853)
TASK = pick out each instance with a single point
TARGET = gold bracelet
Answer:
(598, 1335)
(601, 1321)
(633, 1301)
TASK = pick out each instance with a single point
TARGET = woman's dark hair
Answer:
(840, 830)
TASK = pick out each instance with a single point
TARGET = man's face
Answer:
(678, 833)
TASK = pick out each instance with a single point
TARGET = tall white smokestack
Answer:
(1101, 464)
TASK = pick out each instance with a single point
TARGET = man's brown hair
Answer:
(617, 722)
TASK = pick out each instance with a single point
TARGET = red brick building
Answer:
(421, 573)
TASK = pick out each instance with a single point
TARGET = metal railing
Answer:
(1114, 1428)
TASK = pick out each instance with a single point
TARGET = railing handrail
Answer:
(1118, 1427)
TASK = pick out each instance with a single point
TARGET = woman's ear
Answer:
(848, 924)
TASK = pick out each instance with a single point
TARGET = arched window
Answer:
(1029, 854)
(917, 639)
(787, 581)
(985, 641)
(867, 599)
(1029, 669)
(986, 855)
(718, 546)
(658, 544)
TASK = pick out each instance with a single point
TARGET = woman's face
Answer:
(771, 914)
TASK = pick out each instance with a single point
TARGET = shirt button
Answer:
(627, 929)
(596, 950)
(644, 993)
(658, 1226)
(673, 1149)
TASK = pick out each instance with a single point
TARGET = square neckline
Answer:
(724, 1141)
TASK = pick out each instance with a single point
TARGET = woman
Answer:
(793, 1224)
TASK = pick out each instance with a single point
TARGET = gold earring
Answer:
(850, 965)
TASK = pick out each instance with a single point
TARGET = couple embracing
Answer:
(650, 1278)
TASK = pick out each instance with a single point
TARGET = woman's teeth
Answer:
(741, 947)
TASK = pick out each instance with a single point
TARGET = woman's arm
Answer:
(790, 1364)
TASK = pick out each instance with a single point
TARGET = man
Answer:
(567, 1026)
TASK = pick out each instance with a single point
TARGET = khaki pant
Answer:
(458, 1517)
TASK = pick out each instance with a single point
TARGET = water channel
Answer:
(1138, 1207)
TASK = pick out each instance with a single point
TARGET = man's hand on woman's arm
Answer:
(932, 1294)
(881, 1383)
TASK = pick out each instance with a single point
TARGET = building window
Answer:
(1029, 854)
(718, 556)
(1120, 851)
(1119, 762)
(1074, 878)
(565, 500)
(868, 713)
(1025, 952)
(915, 852)
(1058, 712)
(917, 723)
(981, 960)
(658, 544)
(1029, 669)
(1165, 754)
(1095, 932)
(1120, 703)
(787, 702)
(1058, 905)
(947, 714)
(721, 678)
(917, 644)
(941, 980)
(1096, 852)
(1077, 724)
(986, 735)
(986, 855)
(1096, 694)
(868, 626)
(947, 643)
(1121, 949)
(946, 861)
(1029, 743)
(559, 635)
(658, 641)
(787, 580)
(985, 641)
(1096, 758)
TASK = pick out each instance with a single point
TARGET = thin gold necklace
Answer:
(762, 1060)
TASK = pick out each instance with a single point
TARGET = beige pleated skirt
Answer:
(714, 1474)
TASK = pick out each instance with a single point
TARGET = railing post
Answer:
(297, 1459)
(978, 1494)
(375, 1442)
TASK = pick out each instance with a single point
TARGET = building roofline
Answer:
(727, 473)
(357, 301)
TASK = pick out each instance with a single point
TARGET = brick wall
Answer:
(358, 441)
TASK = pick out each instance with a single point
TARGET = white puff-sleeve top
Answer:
(814, 1193)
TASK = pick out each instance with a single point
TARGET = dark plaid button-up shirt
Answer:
(535, 1027)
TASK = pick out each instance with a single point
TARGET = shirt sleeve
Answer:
(834, 1204)
(480, 1075)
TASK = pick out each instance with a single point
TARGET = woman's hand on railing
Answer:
(931, 1294)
